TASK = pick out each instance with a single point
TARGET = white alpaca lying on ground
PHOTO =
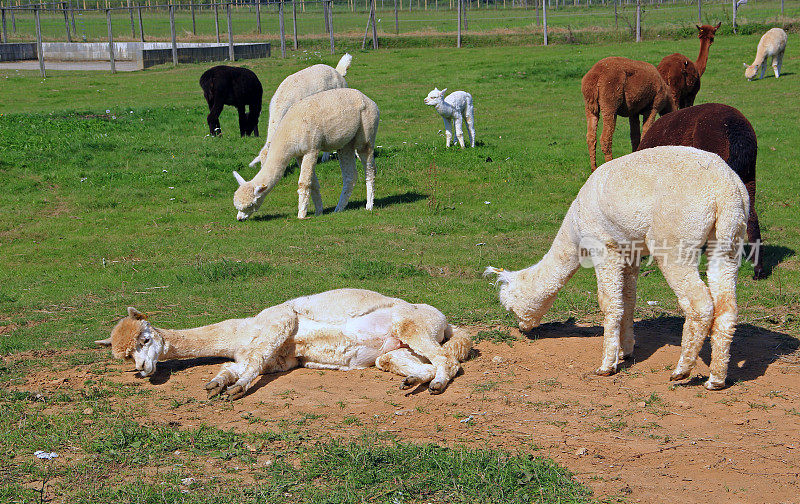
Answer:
(666, 202)
(299, 85)
(340, 329)
(454, 109)
(771, 45)
(342, 120)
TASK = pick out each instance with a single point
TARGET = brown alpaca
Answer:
(624, 87)
(723, 130)
(682, 75)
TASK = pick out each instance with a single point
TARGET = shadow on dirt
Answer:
(753, 348)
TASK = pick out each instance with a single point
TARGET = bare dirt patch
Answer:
(634, 435)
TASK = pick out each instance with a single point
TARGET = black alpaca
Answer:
(226, 85)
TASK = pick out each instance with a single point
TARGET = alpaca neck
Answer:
(272, 169)
(213, 340)
(445, 109)
(558, 264)
(702, 58)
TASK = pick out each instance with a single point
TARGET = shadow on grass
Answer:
(773, 256)
(397, 199)
(753, 348)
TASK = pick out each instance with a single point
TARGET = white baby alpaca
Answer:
(339, 329)
(454, 109)
(772, 44)
(342, 120)
(664, 201)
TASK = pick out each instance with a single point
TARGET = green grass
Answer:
(113, 196)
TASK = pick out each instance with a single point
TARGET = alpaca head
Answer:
(435, 97)
(521, 293)
(750, 71)
(706, 32)
(134, 338)
(248, 197)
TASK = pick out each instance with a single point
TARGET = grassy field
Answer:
(574, 22)
(113, 196)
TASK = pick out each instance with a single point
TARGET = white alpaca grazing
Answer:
(666, 202)
(299, 85)
(771, 45)
(454, 109)
(342, 120)
(340, 329)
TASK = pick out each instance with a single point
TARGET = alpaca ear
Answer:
(444, 90)
(259, 190)
(239, 178)
(135, 314)
(103, 342)
(718, 25)
(745, 65)
(698, 27)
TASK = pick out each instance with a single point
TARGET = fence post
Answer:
(13, 21)
(72, 16)
(330, 23)
(141, 24)
(734, 16)
(699, 11)
(544, 19)
(5, 32)
(216, 19)
(39, 51)
(458, 35)
(639, 20)
(194, 22)
(66, 21)
(396, 20)
(110, 42)
(258, 16)
(172, 34)
(616, 17)
(464, 6)
(374, 27)
(325, 16)
(294, 23)
(133, 24)
(231, 56)
(283, 32)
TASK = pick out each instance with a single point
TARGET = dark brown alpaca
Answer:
(723, 130)
(682, 75)
(624, 87)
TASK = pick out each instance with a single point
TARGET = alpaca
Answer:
(723, 130)
(341, 329)
(666, 202)
(617, 86)
(226, 85)
(300, 85)
(454, 109)
(344, 120)
(683, 75)
(771, 45)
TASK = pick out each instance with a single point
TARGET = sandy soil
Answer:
(635, 435)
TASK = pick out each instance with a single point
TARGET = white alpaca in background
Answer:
(454, 108)
(772, 44)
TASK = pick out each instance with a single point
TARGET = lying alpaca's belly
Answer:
(353, 344)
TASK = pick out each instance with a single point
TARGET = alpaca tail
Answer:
(459, 343)
(344, 64)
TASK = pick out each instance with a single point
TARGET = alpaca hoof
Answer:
(677, 376)
(759, 273)
(437, 387)
(235, 392)
(213, 388)
(714, 385)
(409, 382)
(605, 372)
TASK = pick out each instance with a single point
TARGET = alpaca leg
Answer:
(754, 233)
(777, 60)
(448, 132)
(404, 363)
(459, 130)
(763, 68)
(347, 162)
(610, 287)
(214, 110)
(228, 374)
(422, 328)
(253, 367)
(316, 195)
(471, 126)
(722, 269)
(609, 125)
(630, 274)
(367, 156)
(243, 122)
(304, 184)
(648, 119)
(636, 134)
(695, 301)
(591, 138)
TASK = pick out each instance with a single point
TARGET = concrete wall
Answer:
(16, 52)
(202, 52)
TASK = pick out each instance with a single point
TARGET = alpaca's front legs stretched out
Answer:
(308, 182)
(610, 286)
